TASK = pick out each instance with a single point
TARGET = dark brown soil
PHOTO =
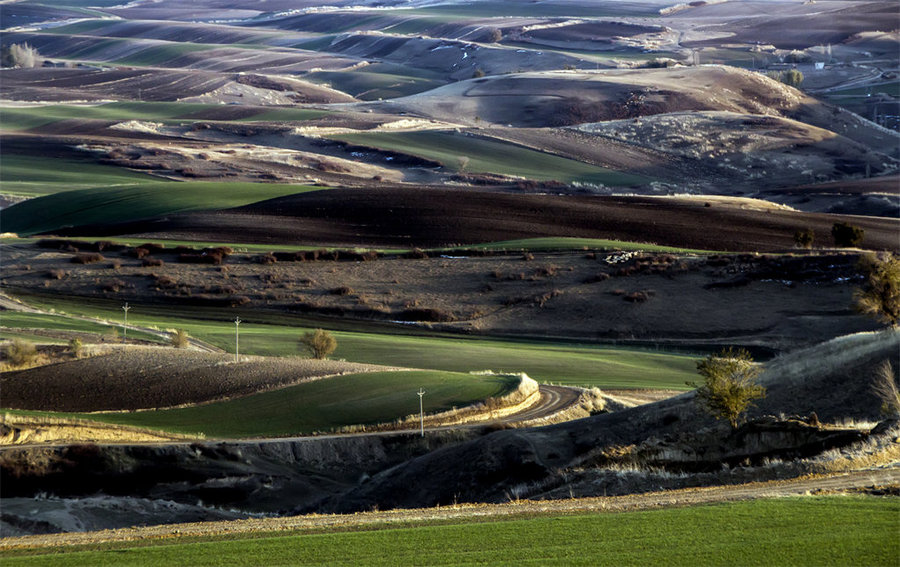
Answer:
(156, 378)
(438, 217)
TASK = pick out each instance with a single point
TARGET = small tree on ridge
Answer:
(729, 385)
(319, 344)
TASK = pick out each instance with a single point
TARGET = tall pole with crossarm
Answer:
(237, 335)
(421, 393)
(125, 308)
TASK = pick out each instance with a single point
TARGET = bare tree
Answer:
(887, 389)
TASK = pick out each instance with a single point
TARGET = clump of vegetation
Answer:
(19, 55)
(729, 385)
(880, 294)
(791, 77)
(76, 348)
(21, 353)
(319, 343)
(149, 262)
(887, 388)
(343, 290)
(87, 258)
(495, 35)
(478, 73)
(179, 339)
(847, 235)
(804, 238)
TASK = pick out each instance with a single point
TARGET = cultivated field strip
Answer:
(520, 508)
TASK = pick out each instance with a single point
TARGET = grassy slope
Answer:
(818, 531)
(30, 175)
(122, 204)
(489, 156)
(322, 405)
(277, 335)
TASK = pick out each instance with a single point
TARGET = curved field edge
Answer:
(108, 205)
(821, 530)
(487, 155)
(316, 405)
(538, 244)
(276, 335)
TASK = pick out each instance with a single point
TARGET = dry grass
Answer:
(798, 365)
(16, 429)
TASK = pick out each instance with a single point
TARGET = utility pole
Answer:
(125, 308)
(237, 322)
(421, 393)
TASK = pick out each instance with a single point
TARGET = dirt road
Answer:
(671, 498)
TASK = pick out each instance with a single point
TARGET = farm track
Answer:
(820, 484)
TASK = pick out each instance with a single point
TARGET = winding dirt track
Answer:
(652, 500)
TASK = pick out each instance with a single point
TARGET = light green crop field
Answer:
(277, 335)
(821, 531)
(22, 320)
(489, 156)
(122, 204)
(322, 405)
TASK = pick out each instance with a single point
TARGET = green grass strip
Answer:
(275, 334)
(820, 531)
(551, 244)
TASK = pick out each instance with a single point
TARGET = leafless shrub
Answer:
(57, 274)
(527, 257)
(20, 352)
(887, 387)
(115, 264)
(267, 258)
(87, 258)
(416, 254)
(597, 278)
(639, 296)
(114, 286)
(179, 338)
(343, 290)
(152, 262)
(19, 55)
